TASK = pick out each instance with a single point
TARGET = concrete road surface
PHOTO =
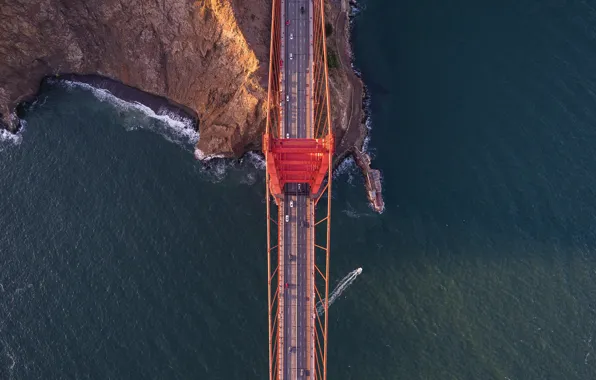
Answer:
(298, 261)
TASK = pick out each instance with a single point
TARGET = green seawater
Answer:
(124, 258)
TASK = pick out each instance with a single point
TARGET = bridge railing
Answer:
(320, 91)
(282, 161)
(274, 101)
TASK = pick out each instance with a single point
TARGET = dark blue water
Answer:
(122, 257)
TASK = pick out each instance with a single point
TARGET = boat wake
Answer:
(339, 289)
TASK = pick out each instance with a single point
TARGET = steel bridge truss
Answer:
(306, 161)
(320, 239)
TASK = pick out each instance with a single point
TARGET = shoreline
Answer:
(353, 137)
(348, 10)
(158, 104)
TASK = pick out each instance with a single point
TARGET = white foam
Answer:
(351, 214)
(178, 129)
(248, 179)
(347, 167)
(368, 122)
(243, 169)
(356, 7)
(173, 128)
(40, 101)
(256, 160)
(339, 289)
(218, 170)
(201, 156)
(12, 139)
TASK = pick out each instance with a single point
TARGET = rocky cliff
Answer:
(208, 55)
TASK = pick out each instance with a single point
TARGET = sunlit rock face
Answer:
(208, 55)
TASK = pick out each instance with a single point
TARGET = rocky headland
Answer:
(206, 58)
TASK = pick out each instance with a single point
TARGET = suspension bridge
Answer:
(298, 146)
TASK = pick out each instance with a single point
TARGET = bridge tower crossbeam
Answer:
(306, 161)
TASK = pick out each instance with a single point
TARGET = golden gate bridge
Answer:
(298, 146)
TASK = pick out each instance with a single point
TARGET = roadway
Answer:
(298, 209)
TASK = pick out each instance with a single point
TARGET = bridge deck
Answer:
(297, 328)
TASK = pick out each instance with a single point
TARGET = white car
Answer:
(291, 204)
(287, 98)
(287, 135)
(291, 36)
(291, 56)
(298, 187)
(287, 218)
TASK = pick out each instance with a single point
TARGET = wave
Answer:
(199, 155)
(179, 130)
(366, 105)
(256, 160)
(347, 168)
(173, 127)
(246, 170)
(8, 139)
(351, 212)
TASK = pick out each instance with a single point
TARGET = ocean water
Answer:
(125, 258)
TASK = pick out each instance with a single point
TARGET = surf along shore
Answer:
(348, 94)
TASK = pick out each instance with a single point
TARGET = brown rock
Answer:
(209, 55)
